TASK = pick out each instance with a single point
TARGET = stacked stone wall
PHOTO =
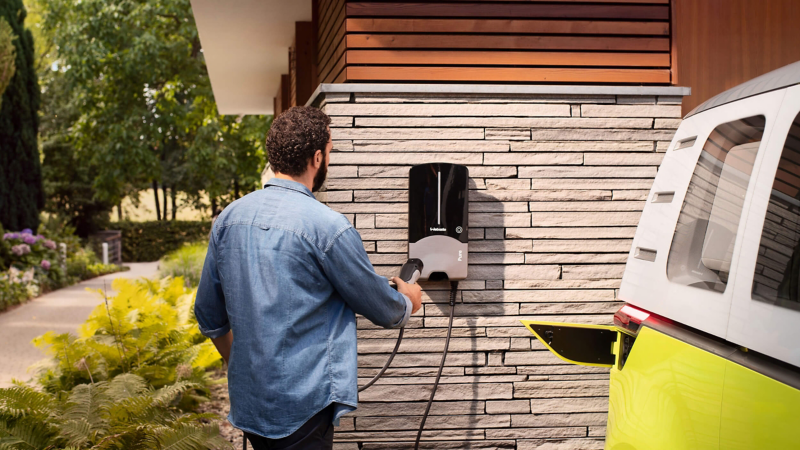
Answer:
(556, 190)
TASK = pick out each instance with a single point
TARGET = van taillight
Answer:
(630, 318)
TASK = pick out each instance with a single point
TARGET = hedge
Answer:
(149, 241)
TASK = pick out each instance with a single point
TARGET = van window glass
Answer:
(777, 277)
(702, 246)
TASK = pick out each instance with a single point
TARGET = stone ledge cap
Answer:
(497, 89)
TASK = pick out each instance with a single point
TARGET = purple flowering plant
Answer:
(26, 251)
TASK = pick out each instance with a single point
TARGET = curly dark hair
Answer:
(294, 137)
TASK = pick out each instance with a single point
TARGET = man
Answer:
(282, 281)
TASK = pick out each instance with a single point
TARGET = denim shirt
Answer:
(287, 274)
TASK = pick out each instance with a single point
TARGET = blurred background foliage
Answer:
(127, 108)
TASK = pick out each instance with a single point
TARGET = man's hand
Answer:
(412, 291)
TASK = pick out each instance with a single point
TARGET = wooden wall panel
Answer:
(517, 10)
(722, 43)
(281, 101)
(558, 41)
(513, 74)
(293, 75)
(330, 39)
(361, 25)
(305, 62)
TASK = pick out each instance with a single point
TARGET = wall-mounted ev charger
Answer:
(438, 220)
(438, 230)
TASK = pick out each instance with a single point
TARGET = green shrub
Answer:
(17, 286)
(59, 230)
(126, 381)
(149, 241)
(84, 264)
(147, 329)
(186, 262)
(122, 413)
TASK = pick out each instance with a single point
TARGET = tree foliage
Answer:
(145, 109)
(8, 56)
(21, 195)
(69, 170)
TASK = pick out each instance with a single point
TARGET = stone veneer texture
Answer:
(557, 186)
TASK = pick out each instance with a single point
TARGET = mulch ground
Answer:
(220, 405)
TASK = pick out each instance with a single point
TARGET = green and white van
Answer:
(705, 354)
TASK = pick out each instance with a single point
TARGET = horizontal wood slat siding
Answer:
(529, 75)
(519, 10)
(331, 40)
(506, 42)
(559, 41)
(468, 58)
(356, 25)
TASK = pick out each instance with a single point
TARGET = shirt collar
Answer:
(291, 185)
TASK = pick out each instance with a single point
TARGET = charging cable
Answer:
(409, 273)
(453, 290)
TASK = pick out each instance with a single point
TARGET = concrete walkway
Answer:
(61, 311)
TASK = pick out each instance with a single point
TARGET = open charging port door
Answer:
(585, 345)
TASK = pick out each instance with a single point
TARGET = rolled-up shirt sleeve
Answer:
(350, 271)
(209, 306)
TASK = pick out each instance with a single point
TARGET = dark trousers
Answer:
(316, 434)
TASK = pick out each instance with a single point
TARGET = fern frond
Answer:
(133, 409)
(26, 433)
(207, 356)
(183, 437)
(19, 401)
(88, 402)
(125, 386)
(75, 432)
(11, 443)
(169, 393)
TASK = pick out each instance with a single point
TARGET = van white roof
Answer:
(777, 79)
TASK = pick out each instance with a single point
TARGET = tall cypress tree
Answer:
(21, 193)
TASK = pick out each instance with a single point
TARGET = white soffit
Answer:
(245, 44)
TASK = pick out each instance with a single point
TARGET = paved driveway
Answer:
(61, 311)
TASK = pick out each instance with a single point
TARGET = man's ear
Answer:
(318, 159)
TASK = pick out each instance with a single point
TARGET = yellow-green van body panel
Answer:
(758, 412)
(667, 397)
(674, 396)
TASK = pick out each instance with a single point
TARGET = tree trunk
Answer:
(213, 207)
(119, 211)
(235, 188)
(173, 195)
(164, 192)
(155, 191)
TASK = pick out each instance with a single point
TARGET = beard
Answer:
(322, 174)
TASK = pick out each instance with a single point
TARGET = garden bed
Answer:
(134, 376)
(35, 264)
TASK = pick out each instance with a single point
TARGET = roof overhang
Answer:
(245, 44)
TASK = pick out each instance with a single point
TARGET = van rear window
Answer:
(702, 246)
(777, 277)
